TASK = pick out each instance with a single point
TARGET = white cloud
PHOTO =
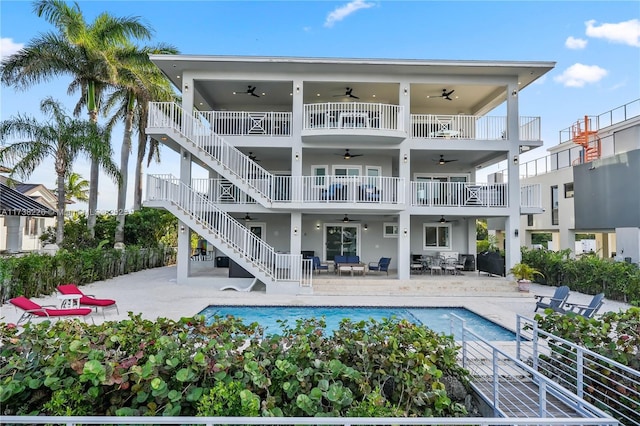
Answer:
(627, 32)
(8, 47)
(343, 11)
(577, 75)
(575, 43)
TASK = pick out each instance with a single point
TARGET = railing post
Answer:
(580, 372)
(518, 325)
(496, 382)
(542, 398)
(534, 348)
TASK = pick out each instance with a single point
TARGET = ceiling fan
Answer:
(248, 218)
(444, 95)
(348, 93)
(253, 157)
(346, 219)
(347, 155)
(442, 161)
(443, 220)
(250, 91)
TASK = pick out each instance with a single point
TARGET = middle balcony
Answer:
(353, 121)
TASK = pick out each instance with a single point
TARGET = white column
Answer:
(404, 245)
(296, 233)
(404, 171)
(183, 263)
(14, 233)
(512, 223)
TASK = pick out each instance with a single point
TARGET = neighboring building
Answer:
(26, 211)
(331, 157)
(589, 185)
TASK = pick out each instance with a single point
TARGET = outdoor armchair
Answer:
(587, 311)
(382, 265)
(556, 301)
(319, 266)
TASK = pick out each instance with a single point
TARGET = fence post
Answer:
(534, 351)
(496, 383)
(580, 372)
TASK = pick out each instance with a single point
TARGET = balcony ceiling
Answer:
(325, 81)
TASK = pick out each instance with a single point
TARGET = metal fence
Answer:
(600, 380)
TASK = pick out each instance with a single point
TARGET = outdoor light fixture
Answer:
(442, 220)
(186, 87)
(405, 232)
(515, 232)
(514, 93)
(295, 231)
(405, 91)
(297, 89)
(317, 226)
(297, 156)
(366, 226)
(515, 159)
(405, 158)
(184, 154)
(182, 229)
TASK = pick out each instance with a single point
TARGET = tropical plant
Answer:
(63, 139)
(139, 81)
(76, 188)
(85, 51)
(522, 271)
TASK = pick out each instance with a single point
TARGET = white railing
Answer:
(221, 191)
(353, 115)
(599, 379)
(531, 195)
(171, 115)
(312, 421)
(513, 388)
(459, 194)
(530, 129)
(458, 127)
(278, 266)
(243, 123)
(333, 189)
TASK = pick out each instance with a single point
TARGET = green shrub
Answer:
(139, 367)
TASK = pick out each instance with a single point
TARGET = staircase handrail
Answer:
(225, 227)
(204, 138)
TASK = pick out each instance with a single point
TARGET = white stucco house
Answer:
(341, 157)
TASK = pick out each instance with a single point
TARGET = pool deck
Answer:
(154, 293)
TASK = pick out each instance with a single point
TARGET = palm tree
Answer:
(76, 188)
(139, 81)
(63, 139)
(85, 51)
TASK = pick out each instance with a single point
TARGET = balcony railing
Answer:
(430, 126)
(609, 118)
(243, 123)
(459, 194)
(531, 196)
(310, 189)
(353, 115)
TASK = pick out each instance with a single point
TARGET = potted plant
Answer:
(523, 274)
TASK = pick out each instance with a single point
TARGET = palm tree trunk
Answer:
(137, 190)
(95, 167)
(125, 151)
(61, 208)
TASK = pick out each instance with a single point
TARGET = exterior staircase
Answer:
(581, 134)
(281, 273)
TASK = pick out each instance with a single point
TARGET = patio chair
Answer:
(369, 193)
(556, 301)
(587, 311)
(319, 266)
(33, 310)
(335, 191)
(432, 264)
(382, 265)
(88, 299)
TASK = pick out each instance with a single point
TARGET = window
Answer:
(568, 190)
(33, 226)
(554, 205)
(390, 230)
(319, 172)
(529, 220)
(437, 235)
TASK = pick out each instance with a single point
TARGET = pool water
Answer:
(437, 319)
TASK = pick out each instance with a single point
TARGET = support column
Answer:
(183, 260)
(404, 245)
(14, 234)
(295, 246)
(512, 223)
(404, 172)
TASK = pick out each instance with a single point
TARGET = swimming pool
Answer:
(437, 319)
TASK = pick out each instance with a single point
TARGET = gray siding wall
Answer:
(607, 192)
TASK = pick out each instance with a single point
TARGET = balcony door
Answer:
(341, 239)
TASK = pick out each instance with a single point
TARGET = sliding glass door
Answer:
(341, 240)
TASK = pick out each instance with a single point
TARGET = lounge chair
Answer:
(33, 310)
(382, 265)
(556, 301)
(88, 299)
(243, 289)
(319, 266)
(587, 311)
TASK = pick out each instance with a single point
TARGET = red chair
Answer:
(88, 299)
(33, 310)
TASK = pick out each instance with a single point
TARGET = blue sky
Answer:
(596, 46)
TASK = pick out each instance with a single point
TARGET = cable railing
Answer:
(277, 266)
(596, 378)
(200, 134)
(513, 388)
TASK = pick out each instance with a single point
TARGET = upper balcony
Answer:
(371, 122)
